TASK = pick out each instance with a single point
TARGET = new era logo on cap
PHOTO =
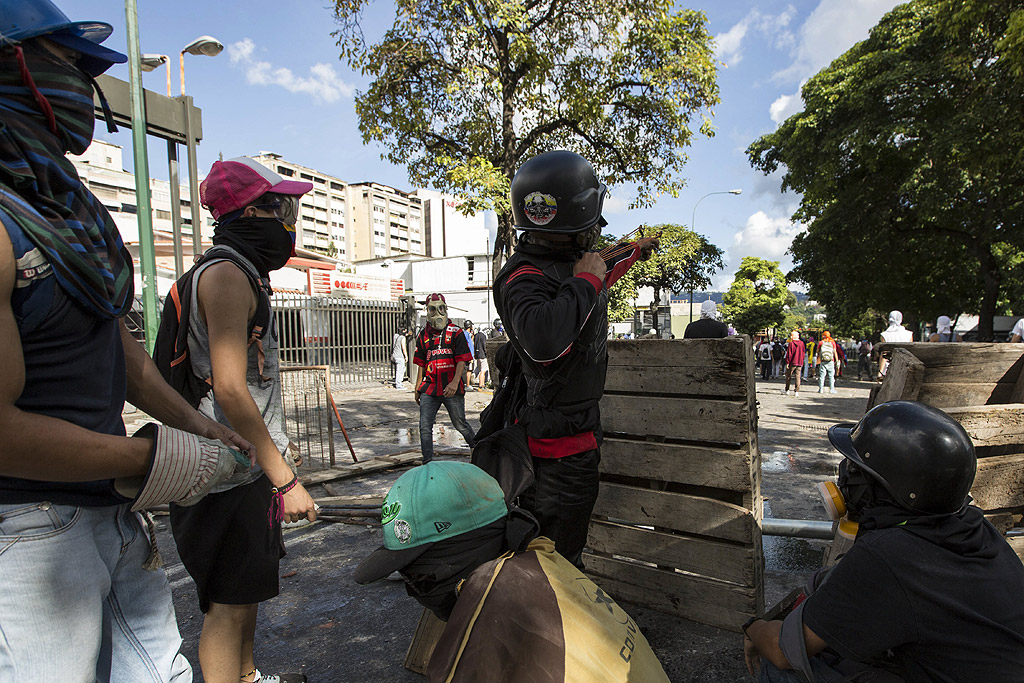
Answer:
(442, 526)
(236, 183)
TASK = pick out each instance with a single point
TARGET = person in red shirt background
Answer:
(442, 353)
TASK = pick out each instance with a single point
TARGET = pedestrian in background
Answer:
(864, 358)
(399, 359)
(467, 329)
(764, 357)
(827, 359)
(707, 326)
(943, 330)
(809, 368)
(480, 357)
(795, 362)
(778, 354)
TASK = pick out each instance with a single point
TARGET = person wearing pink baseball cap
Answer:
(231, 542)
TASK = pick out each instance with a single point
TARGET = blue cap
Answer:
(21, 20)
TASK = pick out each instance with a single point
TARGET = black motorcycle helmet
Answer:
(557, 192)
(923, 457)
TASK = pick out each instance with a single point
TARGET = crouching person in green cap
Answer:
(516, 609)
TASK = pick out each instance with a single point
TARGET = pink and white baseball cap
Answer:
(234, 184)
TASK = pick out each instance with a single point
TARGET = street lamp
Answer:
(203, 45)
(149, 62)
(693, 218)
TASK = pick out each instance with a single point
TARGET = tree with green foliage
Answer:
(462, 93)
(757, 298)
(907, 156)
(683, 260)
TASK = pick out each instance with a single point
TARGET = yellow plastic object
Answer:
(832, 499)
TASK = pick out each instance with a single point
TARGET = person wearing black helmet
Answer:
(82, 599)
(552, 296)
(929, 591)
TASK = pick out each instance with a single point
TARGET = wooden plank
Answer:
(992, 425)
(727, 353)
(902, 379)
(683, 418)
(685, 380)
(359, 469)
(721, 561)
(724, 468)
(676, 511)
(999, 483)
(691, 597)
(424, 640)
(966, 362)
(965, 394)
(349, 500)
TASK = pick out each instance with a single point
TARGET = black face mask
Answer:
(857, 487)
(264, 241)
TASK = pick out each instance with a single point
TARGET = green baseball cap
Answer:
(427, 504)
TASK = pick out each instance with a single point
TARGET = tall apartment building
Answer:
(449, 232)
(384, 222)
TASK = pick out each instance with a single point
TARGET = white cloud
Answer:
(614, 204)
(728, 45)
(323, 83)
(765, 237)
(785, 106)
(830, 30)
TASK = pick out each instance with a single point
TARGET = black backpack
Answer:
(170, 352)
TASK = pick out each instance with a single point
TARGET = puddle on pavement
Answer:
(445, 436)
(786, 461)
(786, 554)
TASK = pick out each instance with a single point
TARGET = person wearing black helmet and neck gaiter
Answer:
(929, 592)
(552, 295)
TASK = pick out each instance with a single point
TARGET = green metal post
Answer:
(147, 255)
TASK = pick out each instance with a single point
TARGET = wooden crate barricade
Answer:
(982, 386)
(677, 525)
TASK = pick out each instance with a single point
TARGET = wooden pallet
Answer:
(676, 526)
(981, 386)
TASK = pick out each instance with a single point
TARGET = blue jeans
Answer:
(429, 406)
(827, 370)
(76, 604)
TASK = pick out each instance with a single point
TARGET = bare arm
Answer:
(148, 390)
(419, 381)
(762, 640)
(45, 448)
(452, 388)
(227, 302)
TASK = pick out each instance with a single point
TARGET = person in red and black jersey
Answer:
(552, 296)
(442, 353)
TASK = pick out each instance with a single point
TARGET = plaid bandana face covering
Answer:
(40, 190)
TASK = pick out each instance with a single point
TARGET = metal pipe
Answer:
(172, 171)
(797, 528)
(144, 205)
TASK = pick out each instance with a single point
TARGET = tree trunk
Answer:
(991, 279)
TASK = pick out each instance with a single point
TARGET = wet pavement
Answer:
(335, 631)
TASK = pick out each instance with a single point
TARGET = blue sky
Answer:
(279, 86)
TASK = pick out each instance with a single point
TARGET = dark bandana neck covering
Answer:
(264, 241)
(40, 190)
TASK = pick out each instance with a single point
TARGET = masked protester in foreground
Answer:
(81, 596)
(231, 542)
(552, 296)
(515, 609)
(928, 592)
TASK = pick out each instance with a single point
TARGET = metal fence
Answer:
(309, 423)
(353, 338)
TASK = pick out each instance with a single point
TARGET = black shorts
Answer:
(228, 546)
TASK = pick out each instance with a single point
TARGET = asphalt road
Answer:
(335, 631)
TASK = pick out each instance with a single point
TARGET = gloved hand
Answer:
(183, 470)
